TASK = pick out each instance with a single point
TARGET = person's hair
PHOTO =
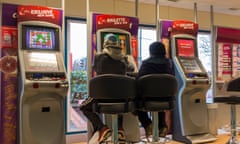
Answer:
(157, 49)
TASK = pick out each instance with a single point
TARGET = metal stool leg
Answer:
(115, 128)
(233, 137)
(155, 127)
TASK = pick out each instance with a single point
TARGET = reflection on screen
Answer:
(123, 39)
(46, 62)
(185, 47)
(190, 66)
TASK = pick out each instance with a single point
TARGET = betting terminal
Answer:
(43, 84)
(190, 115)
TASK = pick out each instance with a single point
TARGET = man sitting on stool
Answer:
(157, 63)
(110, 61)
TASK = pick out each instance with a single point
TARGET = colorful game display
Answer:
(42, 38)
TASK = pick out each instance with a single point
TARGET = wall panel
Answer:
(146, 14)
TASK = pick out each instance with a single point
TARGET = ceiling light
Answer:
(173, 0)
(234, 9)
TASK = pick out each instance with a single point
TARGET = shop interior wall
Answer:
(146, 12)
(146, 15)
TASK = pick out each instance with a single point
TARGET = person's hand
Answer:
(126, 59)
(130, 67)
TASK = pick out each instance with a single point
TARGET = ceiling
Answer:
(231, 7)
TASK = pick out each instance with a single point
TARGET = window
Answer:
(146, 35)
(77, 70)
(204, 50)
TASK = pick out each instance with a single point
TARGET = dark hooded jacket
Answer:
(157, 63)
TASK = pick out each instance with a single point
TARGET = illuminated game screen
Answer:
(190, 66)
(40, 38)
(185, 47)
(42, 62)
(123, 39)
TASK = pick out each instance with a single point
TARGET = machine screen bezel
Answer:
(193, 47)
(26, 28)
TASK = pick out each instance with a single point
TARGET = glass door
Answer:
(76, 41)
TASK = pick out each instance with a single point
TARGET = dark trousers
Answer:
(145, 120)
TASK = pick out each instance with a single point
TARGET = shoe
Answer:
(94, 138)
(148, 130)
(121, 135)
(104, 134)
(163, 131)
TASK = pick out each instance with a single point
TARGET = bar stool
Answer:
(232, 99)
(114, 95)
(158, 94)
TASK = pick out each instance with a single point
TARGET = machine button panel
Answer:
(45, 76)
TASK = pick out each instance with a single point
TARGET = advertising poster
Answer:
(224, 61)
(236, 60)
(165, 28)
(8, 72)
(9, 37)
(228, 58)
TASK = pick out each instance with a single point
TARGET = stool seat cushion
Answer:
(113, 93)
(155, 106)
(114, 107)
(157, 92)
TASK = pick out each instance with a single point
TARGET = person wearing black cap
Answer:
(110, 61)
(157, 63)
